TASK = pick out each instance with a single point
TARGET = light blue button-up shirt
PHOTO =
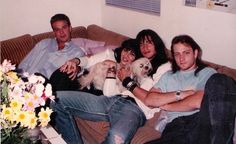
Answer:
(45, 57)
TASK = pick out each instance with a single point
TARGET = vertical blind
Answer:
(151, 6)
(190, 3)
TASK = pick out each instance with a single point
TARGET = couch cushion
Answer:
(10, 48)
(95, 132)
(147, 132)
(87, 43)
(92, 132)
(100, 34)
(92, 47)
(94, 50)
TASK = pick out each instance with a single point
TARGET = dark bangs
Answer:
(161, 56)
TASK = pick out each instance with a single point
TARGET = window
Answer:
(190, 3)
(150, 6)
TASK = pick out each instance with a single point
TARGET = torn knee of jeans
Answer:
(118, 139)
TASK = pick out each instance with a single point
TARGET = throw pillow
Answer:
(83, 42)
(92, 47)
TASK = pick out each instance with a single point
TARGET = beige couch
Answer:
(15, 49)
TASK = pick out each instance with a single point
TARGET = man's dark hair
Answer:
(161, 56)
(187, 40)
(59, 17)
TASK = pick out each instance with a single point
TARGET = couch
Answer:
(15, 49)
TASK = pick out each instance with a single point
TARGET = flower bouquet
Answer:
(23, 102)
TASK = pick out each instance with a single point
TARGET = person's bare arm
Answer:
(151, 98)
(158, 98)
(190, 103)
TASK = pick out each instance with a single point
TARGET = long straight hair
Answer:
(161, 56)
(187, 40)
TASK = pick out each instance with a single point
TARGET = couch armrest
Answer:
(222, 69)
(16, 49)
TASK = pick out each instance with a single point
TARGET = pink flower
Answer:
(7, 66)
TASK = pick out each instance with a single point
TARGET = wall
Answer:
(32, 16)
(214, 31)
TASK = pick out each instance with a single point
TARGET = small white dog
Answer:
(141, 68)
(97, 73)
(96, 76)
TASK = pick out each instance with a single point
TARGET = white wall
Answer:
(33, 16)
(214, 31)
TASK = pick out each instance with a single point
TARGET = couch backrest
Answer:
(98, 33)
(223, 69)
(79, 31)
(16, 49)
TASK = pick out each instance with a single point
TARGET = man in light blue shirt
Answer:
(50, 54)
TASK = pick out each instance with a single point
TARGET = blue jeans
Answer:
(218, 110)
(213, 124)
(124, 116)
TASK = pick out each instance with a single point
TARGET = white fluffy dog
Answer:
(141, 68)
(97, 74)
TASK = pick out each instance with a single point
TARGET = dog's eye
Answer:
(141, 65)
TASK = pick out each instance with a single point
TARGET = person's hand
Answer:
(123, 72)
(71, 68)
(111, 71)
(109, 63)
(69, 65)
(73, 72)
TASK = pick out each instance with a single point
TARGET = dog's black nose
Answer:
(146, 67)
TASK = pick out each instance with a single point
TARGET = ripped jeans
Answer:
(124, 116)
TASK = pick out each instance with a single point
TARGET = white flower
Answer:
(41, 79)
(7, 66)
(16, 93)
(39, 88)
(48, 90)
(32, 79)
(36, 79)
(25, 74)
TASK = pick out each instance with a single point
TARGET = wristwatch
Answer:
(177, 95)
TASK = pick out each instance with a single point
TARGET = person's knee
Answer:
(217, 77)
(56, 104)
(116, 137)
(216, 80)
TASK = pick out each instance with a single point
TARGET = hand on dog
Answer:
(74, 72)
(111, 71)
(123, 72)
(71, 68)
